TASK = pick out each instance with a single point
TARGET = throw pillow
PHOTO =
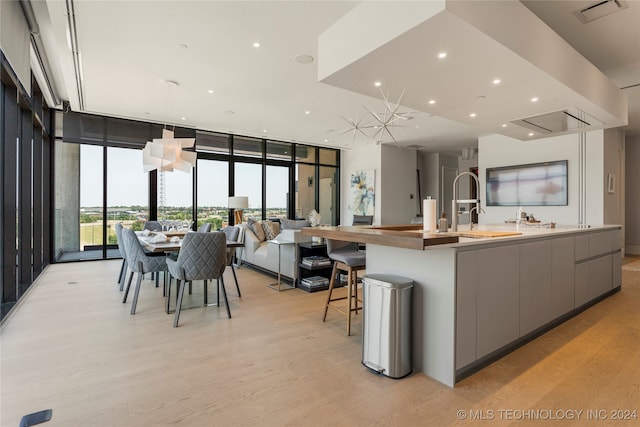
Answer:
(292, 224)
(269, 228)
(256, 226)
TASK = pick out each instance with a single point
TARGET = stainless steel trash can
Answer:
(386, 346)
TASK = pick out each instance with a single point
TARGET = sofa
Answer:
(259, 253)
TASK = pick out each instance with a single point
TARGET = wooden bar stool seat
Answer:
(346, 257)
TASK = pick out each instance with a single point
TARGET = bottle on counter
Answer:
(443, 224)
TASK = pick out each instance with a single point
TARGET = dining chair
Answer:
(123, 269)
(232, 233)
(346, 257)
(203, 256)
(139, 262)
(152, 226)
(204, 228)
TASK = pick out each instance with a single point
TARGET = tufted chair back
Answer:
(152, 226)
(119, 238)
(138, 260)
(202, 256)
(205, 228)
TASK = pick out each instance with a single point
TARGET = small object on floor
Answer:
(36, 418)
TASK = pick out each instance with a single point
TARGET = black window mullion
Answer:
(105, 214)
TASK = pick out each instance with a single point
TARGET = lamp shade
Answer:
(238, 202)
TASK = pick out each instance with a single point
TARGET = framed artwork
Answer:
(363, 194)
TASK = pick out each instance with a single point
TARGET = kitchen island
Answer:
(476, 299)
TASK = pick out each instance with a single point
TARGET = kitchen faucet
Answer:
(456, 201)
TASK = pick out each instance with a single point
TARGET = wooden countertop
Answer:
(401, 236)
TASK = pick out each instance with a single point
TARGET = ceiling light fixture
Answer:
(382, 122)
(534, 99)
(307, 112)
(504, 125)
(210, 91)
(442, 55)
(531, 134)
(256, 44)
(432, 101)
(497, 81)
(377, 84)
(166, 154)
(472, 115)
(303, 59)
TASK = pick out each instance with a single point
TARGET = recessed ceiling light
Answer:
(377, 84)
(256, 44)
(432, 101)
(442, 55)
(303, 59)
(472, 115)
(531, 134)
(504, 125)
(326, 140)
(183, 118)
(497, 81)
(264, 131)
(417, 126)
(307, 112)
(534, 99)
(228, 112)
(183, 46)
(210, 91)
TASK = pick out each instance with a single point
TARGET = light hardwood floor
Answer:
(74, 347)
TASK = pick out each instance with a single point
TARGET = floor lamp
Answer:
(238, 203)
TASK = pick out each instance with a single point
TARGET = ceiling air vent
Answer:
(566, 120)
(599, 9)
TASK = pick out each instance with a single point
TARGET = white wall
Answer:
(614, 165)
(353, 160)
(632, 195)
(498, 150)
(399, 183)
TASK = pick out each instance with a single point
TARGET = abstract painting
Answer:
(363, 192)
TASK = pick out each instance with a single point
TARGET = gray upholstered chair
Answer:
(204, 228)
(139, 262)
(362, 220)
(152, 226)
(203, 256)
(123, 269)
(346, 257)
(232, 233)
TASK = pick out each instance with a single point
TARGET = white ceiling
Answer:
(130, 49)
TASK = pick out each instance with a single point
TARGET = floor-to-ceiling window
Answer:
(213, 193)
(127, 192)
(24, 185)
(100, 180)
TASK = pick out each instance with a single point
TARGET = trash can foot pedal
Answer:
(375, 368)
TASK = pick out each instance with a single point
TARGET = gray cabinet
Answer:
(600, 276)
(466, 294)
(498, 298)
(581, 284)
(562, 276)
(535, 285)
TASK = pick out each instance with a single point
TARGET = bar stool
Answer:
(347, 258)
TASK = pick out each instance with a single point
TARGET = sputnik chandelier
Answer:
(378, 124)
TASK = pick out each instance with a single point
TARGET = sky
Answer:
(127, 183)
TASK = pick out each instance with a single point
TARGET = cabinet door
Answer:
(466, 291)
(600, 276)
(498, 298)
(617, 270)
(581, 284)
(535, 285)
(562, 276)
